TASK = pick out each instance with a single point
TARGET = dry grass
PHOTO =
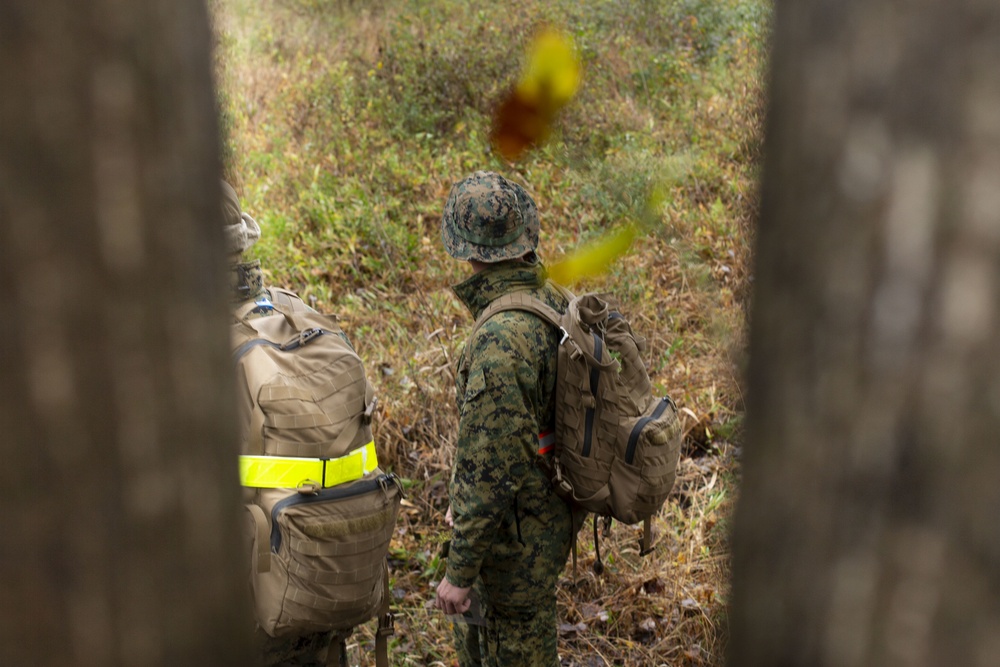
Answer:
(347, 125)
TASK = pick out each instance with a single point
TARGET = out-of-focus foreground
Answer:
(346, 124)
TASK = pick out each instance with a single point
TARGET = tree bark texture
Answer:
(868, 530)
(121, 538)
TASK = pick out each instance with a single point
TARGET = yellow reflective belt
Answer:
(291, 472)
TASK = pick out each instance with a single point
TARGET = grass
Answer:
(346, 124)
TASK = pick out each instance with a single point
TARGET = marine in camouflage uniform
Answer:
(512, 533)
(317, 649)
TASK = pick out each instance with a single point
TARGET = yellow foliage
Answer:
(594, 258)
(553, 72)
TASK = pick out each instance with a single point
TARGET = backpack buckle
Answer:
(563, 488)
(386, 625)
(565, 335)
(366, 417)
(561, 485)
(308, 488)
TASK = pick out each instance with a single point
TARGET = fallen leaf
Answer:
(652, 586)
(572, 629)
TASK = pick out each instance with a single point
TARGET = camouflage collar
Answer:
(477, 291)
(246, 281)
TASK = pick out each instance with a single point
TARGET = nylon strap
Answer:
(597, 497)
(646, 547)
(385, 622)
(518, 300)
(244, 310)
(574, 557)
(289, 472)
(288, 300)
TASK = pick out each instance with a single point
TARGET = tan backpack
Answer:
(616, 445)
(322, 510)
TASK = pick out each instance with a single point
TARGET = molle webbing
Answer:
(356, 546)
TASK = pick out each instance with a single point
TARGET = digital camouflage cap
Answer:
(489, 219)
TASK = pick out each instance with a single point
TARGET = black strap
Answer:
(336, 655)
(385, 622)
(598, 563)
(646, 545)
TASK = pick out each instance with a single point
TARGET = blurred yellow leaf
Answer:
(593, 258)
(552, 75)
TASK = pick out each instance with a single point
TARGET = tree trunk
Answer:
(868, 531)
(116, 404)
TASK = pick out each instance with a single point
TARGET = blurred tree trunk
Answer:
(868, 530)
(120, 499)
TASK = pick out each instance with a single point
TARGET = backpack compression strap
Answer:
(287, 300)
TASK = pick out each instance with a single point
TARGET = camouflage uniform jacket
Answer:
(511, 529)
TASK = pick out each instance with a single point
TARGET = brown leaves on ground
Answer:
(667, 608)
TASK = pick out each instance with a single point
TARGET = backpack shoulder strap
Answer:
(562, 290)
(283, 301)
(518, 301)
(287, 300)
(241, 313)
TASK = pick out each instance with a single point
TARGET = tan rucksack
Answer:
(322, 510)
(616, 445)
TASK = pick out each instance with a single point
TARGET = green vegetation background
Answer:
(346, 124)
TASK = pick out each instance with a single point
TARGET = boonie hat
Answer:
(489, 219)
(240, 229)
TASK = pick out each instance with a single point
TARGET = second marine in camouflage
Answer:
(512, 534)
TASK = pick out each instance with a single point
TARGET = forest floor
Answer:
(345, 126)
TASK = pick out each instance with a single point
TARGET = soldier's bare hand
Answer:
(447, 518)
(452, 599)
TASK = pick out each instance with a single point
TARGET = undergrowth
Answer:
(346, 124)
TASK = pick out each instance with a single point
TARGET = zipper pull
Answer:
(304, 337)
(308, 334)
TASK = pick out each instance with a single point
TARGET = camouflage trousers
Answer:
(520, 637)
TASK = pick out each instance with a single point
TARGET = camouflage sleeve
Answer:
(497, 438)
